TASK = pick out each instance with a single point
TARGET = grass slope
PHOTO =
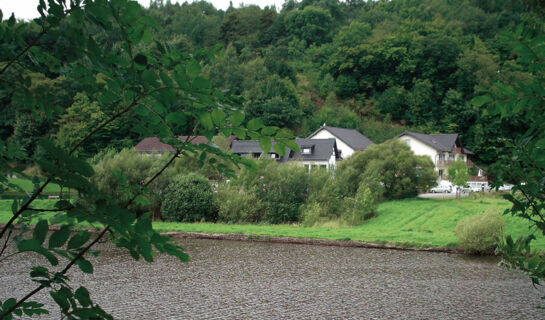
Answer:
(412, 222)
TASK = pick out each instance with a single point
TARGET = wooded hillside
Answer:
(379, 67)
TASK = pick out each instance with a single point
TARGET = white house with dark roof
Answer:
(313, 152)
(348, 140)
(443, 149)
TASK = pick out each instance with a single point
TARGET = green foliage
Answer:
(275, 101)
(238, 205)
(282, 189)
(523, 160)
(480, 233)
(122, 174)
(189, 198)
(311, 24)
(362, 207)
(391, 164)
(458, 174)
(102, 50)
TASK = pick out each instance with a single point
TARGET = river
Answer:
(256, 280)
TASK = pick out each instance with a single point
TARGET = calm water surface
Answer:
(250, 280)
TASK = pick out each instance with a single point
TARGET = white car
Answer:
(506, 187)
(441, 189)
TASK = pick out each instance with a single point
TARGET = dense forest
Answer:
(381, 67)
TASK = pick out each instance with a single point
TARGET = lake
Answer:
(256, 280)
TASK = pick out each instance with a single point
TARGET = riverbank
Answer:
(411, 223)
(422, 224)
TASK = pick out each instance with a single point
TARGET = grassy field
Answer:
(412, 223)
(28, 186)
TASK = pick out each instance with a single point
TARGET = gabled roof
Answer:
(353, 138)
(153, 144)
(322, 149)
(247, 147)
(444, 142)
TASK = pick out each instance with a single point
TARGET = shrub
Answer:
(282, 188)
(189, 198)
(360, 208)
(396, 168)
(238, 205)
(312, 214)
(135, 169)
(480, 233)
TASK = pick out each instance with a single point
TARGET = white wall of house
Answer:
(420, 149)
(345, 150)
(311, 164)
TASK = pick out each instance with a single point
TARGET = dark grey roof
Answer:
(322, 149)
(351, 137)
(247, 146)
(443, 142)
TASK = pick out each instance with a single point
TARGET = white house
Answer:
(443, 150)
(348, 140)
(313, 152)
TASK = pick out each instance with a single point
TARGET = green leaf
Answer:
(218, 116)
(84, 265)
(236, 118)
(14, 206)
(201, 83)
(150, 78)
(292, 145)
(40, 231)
(480, 101)
(206, 120)
(83, 296)
(255, 124)
(28, 245)
(176, 117)
(78, 239)
(59, 237)
(265, 144)
(61, 300)
(269, 131)
(166, 79)
(141, 59)
(193, 68)
(279, 149)
(39, 272)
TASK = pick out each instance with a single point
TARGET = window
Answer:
(307, 150)
(451, 156)
(440, 173)
(408, 142)
(274, 155)
(461, 158)
(441, 157)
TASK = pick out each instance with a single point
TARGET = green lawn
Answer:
(413, 222)
(28, 186)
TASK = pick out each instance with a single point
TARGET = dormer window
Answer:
(306, 151)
